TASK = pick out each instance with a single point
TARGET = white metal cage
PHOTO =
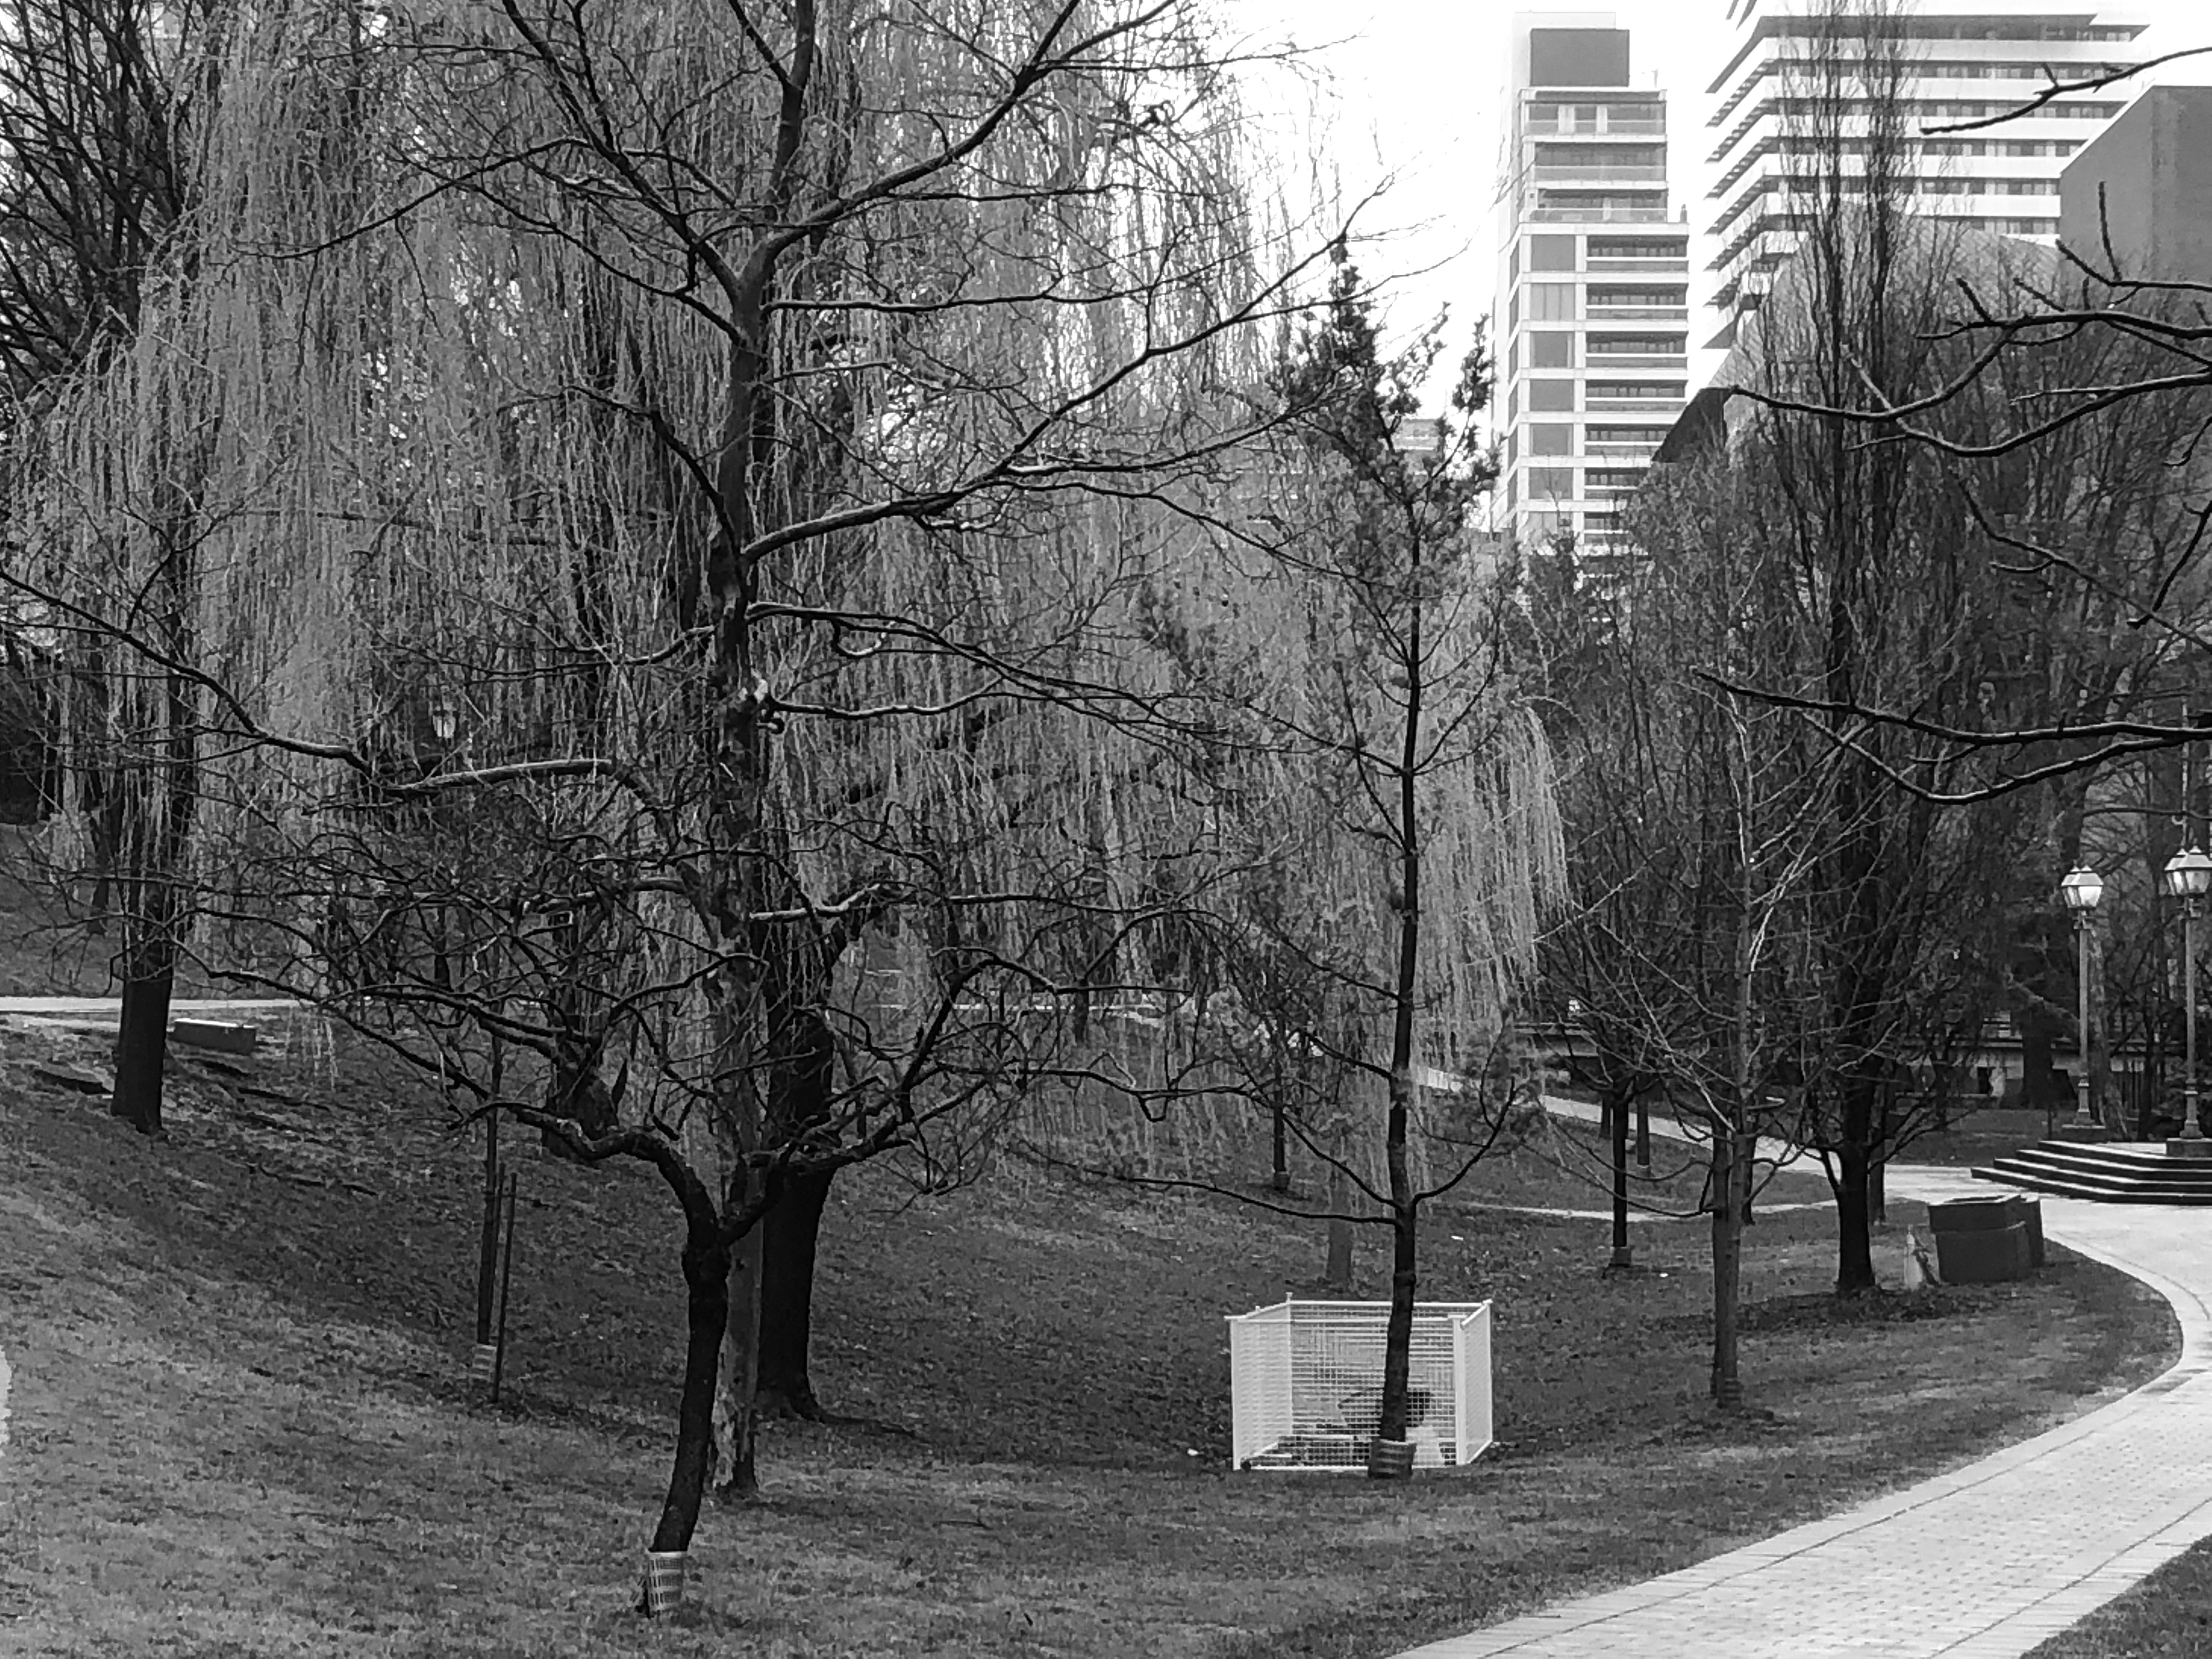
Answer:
(1305, 1384)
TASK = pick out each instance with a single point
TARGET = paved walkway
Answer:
(1779, 1153)
(1982, 1563)
(112, 1007)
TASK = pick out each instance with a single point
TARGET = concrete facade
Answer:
(2143, 186)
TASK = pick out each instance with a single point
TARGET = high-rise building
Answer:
(1961, 60)
(1595, 295)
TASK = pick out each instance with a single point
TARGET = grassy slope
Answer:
(238, 1417)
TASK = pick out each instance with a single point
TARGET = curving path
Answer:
(1982, 1563)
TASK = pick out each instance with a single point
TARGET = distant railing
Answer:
(1638, 315)
(1615, 127)
(1598, 173)
(1598, 216)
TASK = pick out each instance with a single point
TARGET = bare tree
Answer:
(717, 458)
(97, 168)
(1695, 841)
(1354, 643)
(1895, 582)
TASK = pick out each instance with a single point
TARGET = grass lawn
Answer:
(240, 1424)
(2167, 1616)
(1979, 1136)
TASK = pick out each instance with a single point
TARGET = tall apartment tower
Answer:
(1595, 283)
(1964, 59)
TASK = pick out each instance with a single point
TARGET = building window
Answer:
(1627, 435)
(1551, 349)
(1551, 438)
(1551, 253)
(1551, 397)
(1606, 247)
(1600, 160)
(1639, 296)
(1636, 345)
(1551, 302)
(1551, 484)
(1649, 389)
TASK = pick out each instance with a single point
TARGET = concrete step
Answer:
(2096, 1180)
(2167, 1174)
(2102, 1186)
(2121, 1158)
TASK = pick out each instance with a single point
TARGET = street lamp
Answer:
(2080, 891)
(2188, 874)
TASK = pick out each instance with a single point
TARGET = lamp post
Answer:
(2080, 891)
(2188, 874)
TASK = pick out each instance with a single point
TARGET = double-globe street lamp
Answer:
(2188, 874)
(2079, 890)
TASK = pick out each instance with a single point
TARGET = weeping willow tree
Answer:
(670, 494)
(1402, 845)
(96, 100)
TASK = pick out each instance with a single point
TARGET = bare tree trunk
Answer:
(706, 1281)
(1398, 1335)
(736, 1400)
(1337, 1274)
(1731, 1191)
(141, 1040)
(1854, 1214)
(790, 1234)
(1622, 1256)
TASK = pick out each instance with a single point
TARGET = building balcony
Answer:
(1641, 132)
(1586, 173)
(1598, 216)
(1600, 267)
(1599, 361)
(1638, 314)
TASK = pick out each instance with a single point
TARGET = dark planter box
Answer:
(1963, 1216)
(1986, 1255)
(1972, 1215)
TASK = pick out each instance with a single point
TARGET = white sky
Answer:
(1411, 97)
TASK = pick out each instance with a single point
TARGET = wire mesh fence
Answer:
(1306, 1384)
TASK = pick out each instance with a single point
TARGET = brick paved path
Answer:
(1982, 1563)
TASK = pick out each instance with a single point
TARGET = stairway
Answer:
(2113, 1172)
